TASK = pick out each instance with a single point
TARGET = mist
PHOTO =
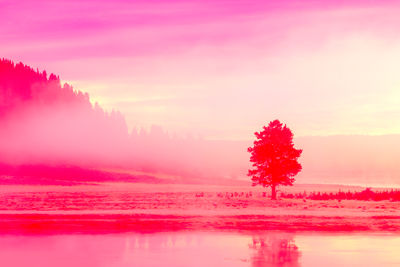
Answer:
(43, 122)
(46, 123)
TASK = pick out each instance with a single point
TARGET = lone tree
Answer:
(274, 157)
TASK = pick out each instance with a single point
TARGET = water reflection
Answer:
(274, 250)
(199, 249)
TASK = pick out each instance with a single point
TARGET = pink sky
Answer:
(220, 69)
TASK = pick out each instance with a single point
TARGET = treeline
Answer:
(47, 123)
(367, 194)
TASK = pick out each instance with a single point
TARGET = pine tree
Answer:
(274, 157)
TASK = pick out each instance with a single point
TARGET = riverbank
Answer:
(148, 223)
(146, 208)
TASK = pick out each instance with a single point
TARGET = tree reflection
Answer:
(275, 249)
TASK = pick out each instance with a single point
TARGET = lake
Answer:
(200, 249)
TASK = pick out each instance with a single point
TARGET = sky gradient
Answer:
(220, 69)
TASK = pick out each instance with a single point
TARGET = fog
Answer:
(45, 122)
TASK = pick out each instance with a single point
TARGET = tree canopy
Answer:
(274, 157)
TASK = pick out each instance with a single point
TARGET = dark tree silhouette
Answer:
(274, 157)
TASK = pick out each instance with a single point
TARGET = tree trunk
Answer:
(273, 192)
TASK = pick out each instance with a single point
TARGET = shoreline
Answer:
(151, 223)
(147, 209)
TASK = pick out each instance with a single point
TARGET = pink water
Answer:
(200, 249)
